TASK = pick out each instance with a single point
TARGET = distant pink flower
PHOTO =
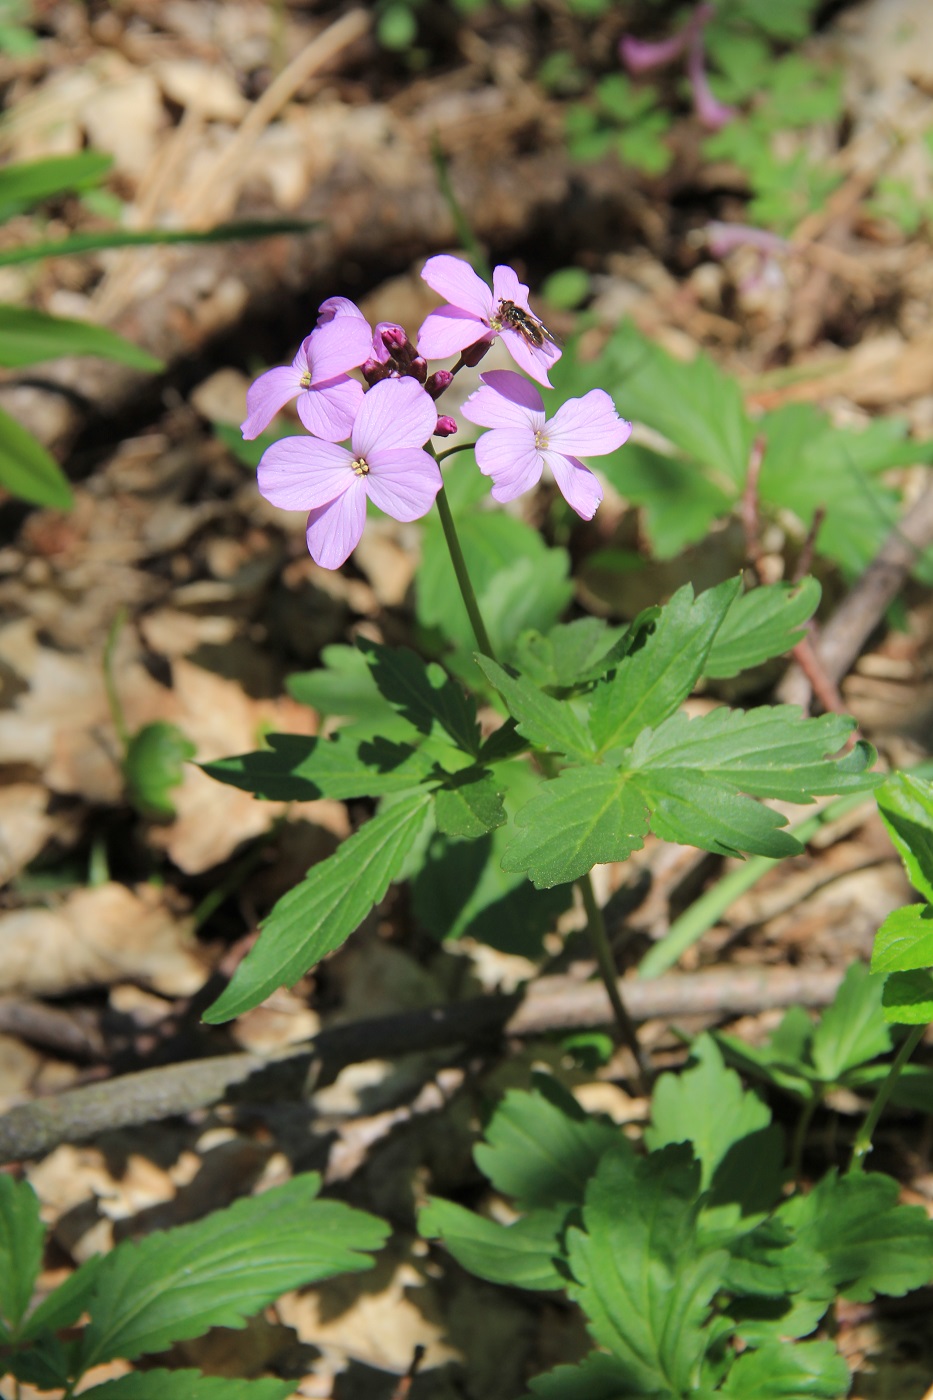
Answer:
(522, 441)
(711, 113)
(385, 461)
(640, 56)
(474, 313)
(317, 378)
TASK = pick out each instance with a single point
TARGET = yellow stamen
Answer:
(360, 466)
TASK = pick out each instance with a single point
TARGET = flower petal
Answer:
(403, 482)
(641, 55)
(334, 530)
(300, 473)
(589, 426)
(510, 457)
(337, 346)
(266, 395)
(506, 287)
(333, 307)
(505, 400)
(577, 484)
(455, 279)
(448, 330)
(329, 410)
(535, 360)
(394, 413)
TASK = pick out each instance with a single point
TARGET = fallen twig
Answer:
(547, 1005)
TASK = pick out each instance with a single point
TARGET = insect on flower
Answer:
(527, 325)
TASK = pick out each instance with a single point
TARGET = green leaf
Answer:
(423, 694)
(542, 1152)
(27, 470)
(154, 766)
(569, 654)
(28, 337)
(763, 623)
(908, 998)
(27, 183)
(598, 1377)
(550, 724)
(147, 238)
(852, 1029)
(343, 686)
(584, 817)
(189, 1385)
(469, 804)
(319, 914)
(217, 1272)
(906, 807)
(641, 1277)
(871, 1244)
(788, 1373)
(650, 684)
(521, 1254)
(679, 500)
(706, 1106)
(21, 1239)
(295, 768)
(46, 1365)
(65, 1304)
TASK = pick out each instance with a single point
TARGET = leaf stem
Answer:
(800, 1134)
(863, 1141)
(596, 927)
(463, 577)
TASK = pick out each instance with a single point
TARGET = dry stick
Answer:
(547, 1005)
(862, 609)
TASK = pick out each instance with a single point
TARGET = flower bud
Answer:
(373, 370)
(475, 352)
(440, 380)
(446, 426)
(418, 369)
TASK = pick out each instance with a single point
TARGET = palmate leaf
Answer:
(908, 998)
(22, 1235)
(469, 803)
(316, 916)
(521, 1254)
(423, 694)
(189, 1385)
(549, 723)
(851, 1030)
(906, 806)
(177, 1283)
(642, 1278)
(788, 1373)
(650, 684)
(763, 623)
(296, 768)
(568, 655)
(598, 1377)
(28, 337)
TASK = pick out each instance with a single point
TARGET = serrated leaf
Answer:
(176, 1284)
(584, 817)
(154, 765)
(641, 1278)
(906, 807)
(317, 915)
(766, 622)
(296, 768)
(543, 1154)
(22, 1235)
(28, 337)
(188, 1384)
(768, 1262)
(550, 724)
(649, 685)
(908, 998)
(778, 1372)
(46, 1365)
(871, 1244)
(469, 804)
(598, 1377)
(521, 1255)
(852, 1029)
(65, 1304)
(423, 693)
(569, 655)
(27, 470)
(343, 686)
(705, 1105)
(27, 183)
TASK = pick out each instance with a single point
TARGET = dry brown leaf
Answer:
(25, 826)
(97, 937)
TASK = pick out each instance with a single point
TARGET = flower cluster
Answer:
(641, 56)
(374, 443)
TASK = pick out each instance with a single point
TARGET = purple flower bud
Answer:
(393, 336)
(440, 380)
(418, 368)
(374, 370)
(446, 426)
(475, 352)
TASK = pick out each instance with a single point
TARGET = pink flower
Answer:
(641, 55)
(385, 461)
(317, 377)
(523, 442)
(711, 113)
(474, 313)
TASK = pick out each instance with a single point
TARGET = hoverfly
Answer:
(527, 325)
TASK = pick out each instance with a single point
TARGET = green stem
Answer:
(596, 927)
(800, 1134)
(113, 698)
(463, 577)
(449, 451)
(863, 1142)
